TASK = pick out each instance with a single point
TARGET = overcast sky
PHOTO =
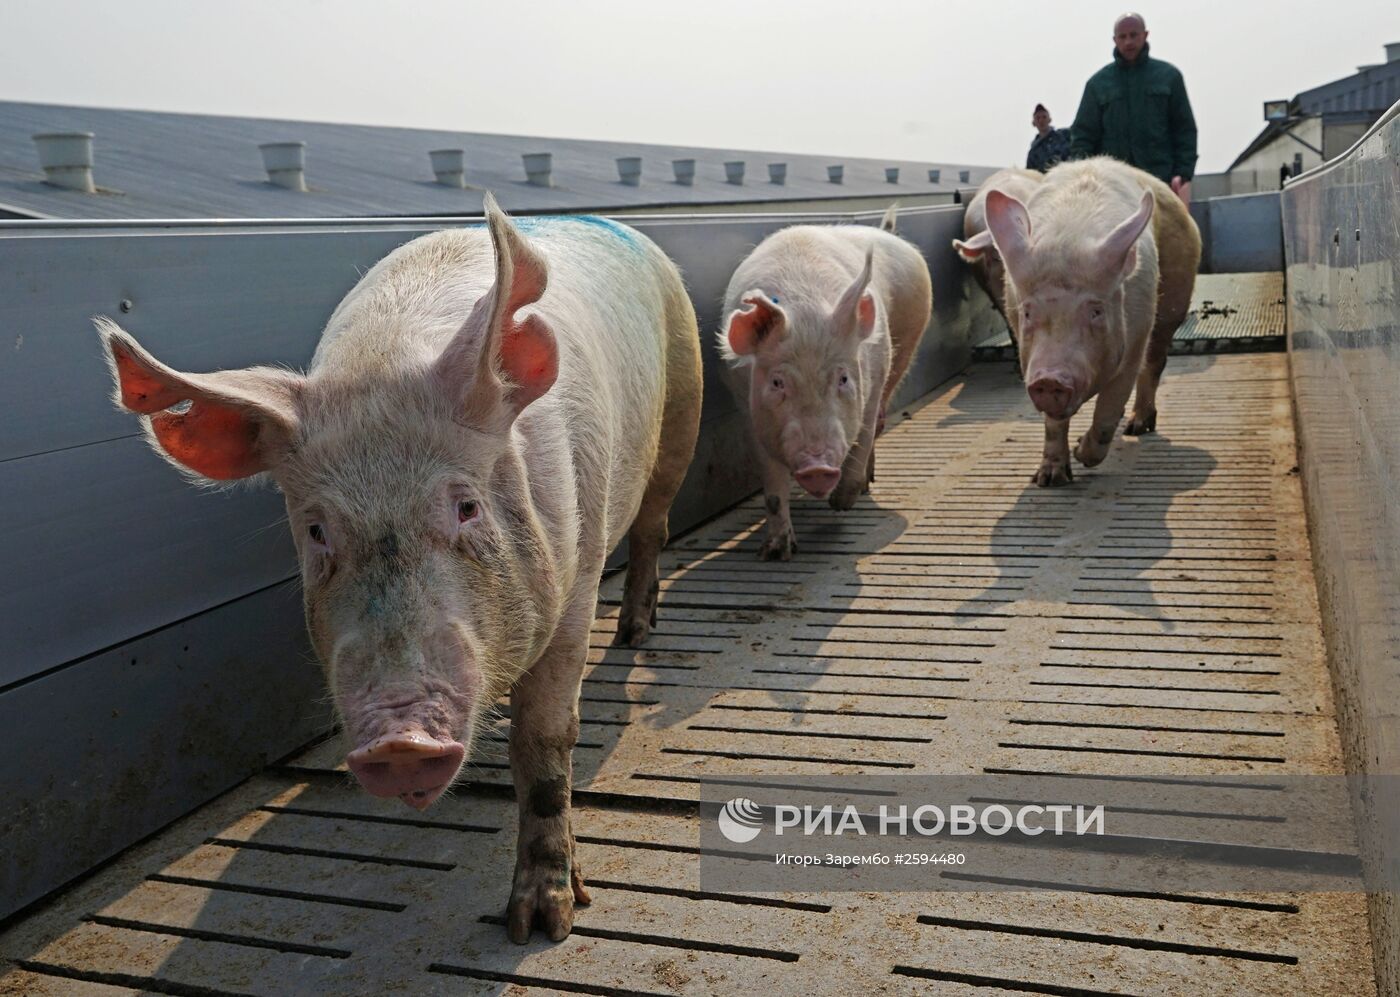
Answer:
(902, 78)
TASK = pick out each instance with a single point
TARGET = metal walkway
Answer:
(1230, 313)
(1158, 616)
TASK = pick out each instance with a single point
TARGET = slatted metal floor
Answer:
(1230, 312)
(1158, 616)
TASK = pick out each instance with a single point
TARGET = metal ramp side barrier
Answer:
(1230, 313)
(1156, 617)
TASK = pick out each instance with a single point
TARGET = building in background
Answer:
(83, 162)
(1315, 126)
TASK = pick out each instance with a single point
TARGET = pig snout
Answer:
(1053, 394)
(818, 479)
(410, 764)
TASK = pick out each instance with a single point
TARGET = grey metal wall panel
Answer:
(118, 745)
(137, 623)
(107, 541)
(200, 299)
(1246, 233)
(1342, 231)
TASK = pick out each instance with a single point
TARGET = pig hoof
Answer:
(633, 632)
(1138, 425)
(779, 548)
(634, 623)
(1088, 453)
(1052, 473)
(844, 498)
(541, 896)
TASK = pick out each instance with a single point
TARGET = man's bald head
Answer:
(1129, 36)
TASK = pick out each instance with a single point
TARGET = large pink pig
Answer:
(820, 325)
(488, 412)
(1100, 265)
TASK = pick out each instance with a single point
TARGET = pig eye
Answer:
(777, 382)
(317, 533)
(844, 380)
(1096, 311)
(467, 511)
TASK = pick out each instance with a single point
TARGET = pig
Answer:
(487, 412)
(820, 325)
(1100, 266)
(976, 247)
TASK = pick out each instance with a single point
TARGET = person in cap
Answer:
(1050, 145)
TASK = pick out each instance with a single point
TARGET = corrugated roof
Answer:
(1364, 96)
(156, 165)
(1372, 90)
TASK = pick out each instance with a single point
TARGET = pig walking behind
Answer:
(1100, 265)
(976, 246)
(486, 414)
(821, 323)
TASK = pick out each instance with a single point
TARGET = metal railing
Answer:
(1342, 236)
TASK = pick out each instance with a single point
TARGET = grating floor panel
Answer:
(1229, 312)
(1156, 617)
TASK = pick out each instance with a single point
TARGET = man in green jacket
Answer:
(1135, 109)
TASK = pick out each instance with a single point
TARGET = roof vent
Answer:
(777, 173)
(629, 170)
(685, 171)
(935, 176)
(449, 166)
(67, 160)
(1392, 52)
(285, 163)
(964, 176)
(891, 174)
(836, 173)
(539, 168)
(734, 171)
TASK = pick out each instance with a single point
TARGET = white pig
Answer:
(976, 247)
(820, 325)
(487, 413)
(1100, 266)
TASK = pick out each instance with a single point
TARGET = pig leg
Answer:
(1054, 464)
(544, 727)
(680, 424)
(1093, 446)
(780, 543)
(870, 465)
(644, 542)
(1144, 418)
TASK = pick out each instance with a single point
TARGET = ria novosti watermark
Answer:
(741, 819)
(1035, 830)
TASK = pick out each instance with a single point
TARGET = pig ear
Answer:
(856, 309)
(972, 250)
(1118, 252)
(1010, 226)
(231, 424)
(757, 318)
(498, 363)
